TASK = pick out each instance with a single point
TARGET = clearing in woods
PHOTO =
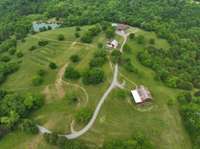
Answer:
(118, 118)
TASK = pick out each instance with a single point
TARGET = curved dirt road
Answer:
(113, 85)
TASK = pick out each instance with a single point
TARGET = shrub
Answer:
(127, 48)
(97, 62)
(93, 76)
(78, 29)
(20, 54)
(38, 80)
(196, 83)
(43, 43)
(116, 56)
(12, 51)
(61, 37)
(152, 41)
(100, 45)
(3, 131)
(170, 102)
(140, 39)
(110, 32)
(184, 85)
(53, 65)
(75, 58)
(41, 72)
(77, 35)
(71, 98)
(83, 115)
(105, 25)
(87, 38)
(5, 58)
(71, 73)
(127, 64)
(32, 48)
(184, 98)
(197, 93)
(28, 126)
(51, 138)
(132, 36)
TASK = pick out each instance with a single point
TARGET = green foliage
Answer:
(197, 94)
(62, 142)
(75, 58)
(127, 64)
(184, 85)
(93, 76)
(61, 37)
(90, 34)
(42, 43)
(116, 56)
(105, 25)
(15, 106)
(97, 62)
(51, 138)
(28, 126)
(83, 115)
(99, 59)
(77, 35)
(100, 45)
(19, 54)
(8, 44)
(78, 29)
(53, 65)
(87, 38)
(190, 115)
(5, 58)
(6, 69)
(41, 72)
(110, 32)
(32, 48)
(71, 73)
(127, 48)
(12, 51)
(37, 80)
(71, 98)
(152, 41)
(136, 142)
(132, 36)
(140, 39)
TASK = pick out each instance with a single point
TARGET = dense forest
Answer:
(178, 21)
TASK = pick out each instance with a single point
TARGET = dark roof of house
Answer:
(122, 26)
(144, 93)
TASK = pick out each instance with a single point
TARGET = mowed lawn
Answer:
(56, 114)
(119, 118)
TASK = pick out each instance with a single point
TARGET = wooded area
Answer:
(178, 21)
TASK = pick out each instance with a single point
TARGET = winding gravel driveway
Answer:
(113, 85)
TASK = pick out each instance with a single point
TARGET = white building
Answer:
(113, 44)
(141, 95)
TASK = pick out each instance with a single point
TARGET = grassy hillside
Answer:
(119, 118)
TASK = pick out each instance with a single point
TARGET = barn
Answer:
(141, 95)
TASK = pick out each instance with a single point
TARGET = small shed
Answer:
(112, 44)
(141, 95)
(122, 27)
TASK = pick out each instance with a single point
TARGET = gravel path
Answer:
(114, 84)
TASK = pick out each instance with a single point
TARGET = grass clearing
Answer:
(119, 118)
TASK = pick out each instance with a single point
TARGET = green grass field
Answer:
(119, 118)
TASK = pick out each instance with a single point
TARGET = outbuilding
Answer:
(112, 44)
(122, 27)
(141, 95)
